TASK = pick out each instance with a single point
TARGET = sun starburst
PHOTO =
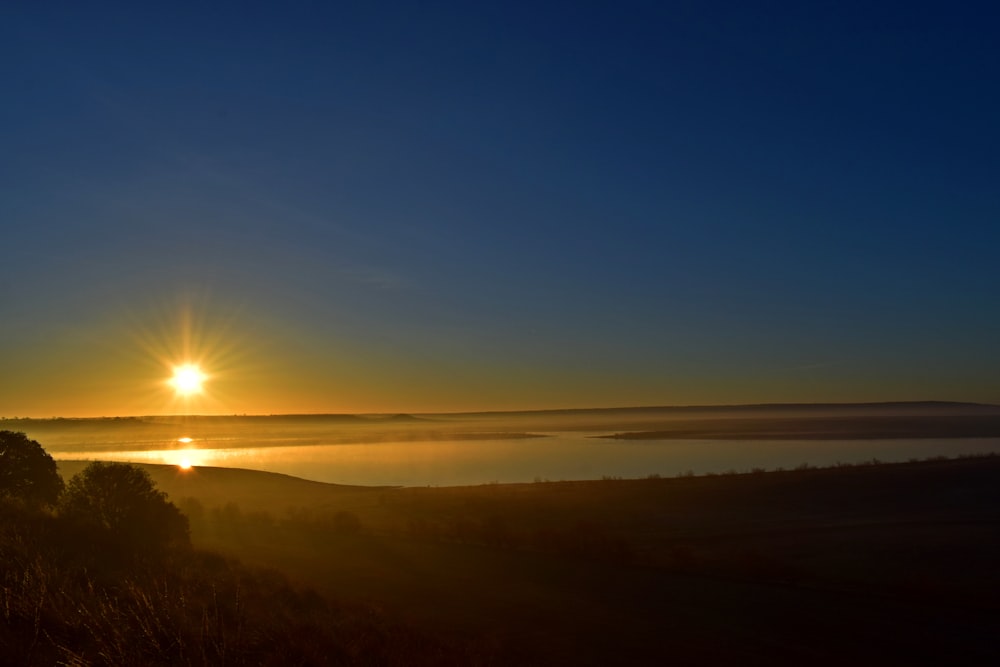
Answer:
(188, 379)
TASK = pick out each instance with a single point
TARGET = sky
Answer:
(452, 206)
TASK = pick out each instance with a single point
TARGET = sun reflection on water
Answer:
(185, 459)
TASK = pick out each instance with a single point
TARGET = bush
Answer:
(122, 501)
(27, 472)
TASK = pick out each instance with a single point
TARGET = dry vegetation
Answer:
(103, 572)
(824, 565)
(192, 608)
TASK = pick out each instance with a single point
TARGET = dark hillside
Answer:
(811, 566)
(69, 597)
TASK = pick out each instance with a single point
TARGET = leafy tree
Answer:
(122, 500)
(27, 472)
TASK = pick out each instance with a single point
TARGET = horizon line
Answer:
(634, 408)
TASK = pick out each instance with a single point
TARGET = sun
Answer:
(187, 380)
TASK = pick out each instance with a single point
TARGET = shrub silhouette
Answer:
(27, 472)
(122, 501)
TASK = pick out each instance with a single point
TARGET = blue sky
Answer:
(437, 206)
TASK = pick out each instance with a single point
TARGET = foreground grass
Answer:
(65, 599)
(864, 564)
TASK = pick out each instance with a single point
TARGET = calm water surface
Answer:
(559, 456)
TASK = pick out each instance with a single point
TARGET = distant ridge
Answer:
(952, 407)
(404, 418)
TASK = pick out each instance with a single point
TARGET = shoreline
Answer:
(176, 471)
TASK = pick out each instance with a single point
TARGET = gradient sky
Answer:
(382, 207)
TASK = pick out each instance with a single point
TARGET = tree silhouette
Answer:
(27, 472)
(121, 500)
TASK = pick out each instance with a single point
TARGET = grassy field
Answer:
(886, 564)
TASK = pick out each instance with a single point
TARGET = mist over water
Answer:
(557, 457)
(477, 449)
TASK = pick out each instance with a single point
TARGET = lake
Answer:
(482, 460)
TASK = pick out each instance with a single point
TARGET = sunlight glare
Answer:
(185, 459)
(188, 379)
